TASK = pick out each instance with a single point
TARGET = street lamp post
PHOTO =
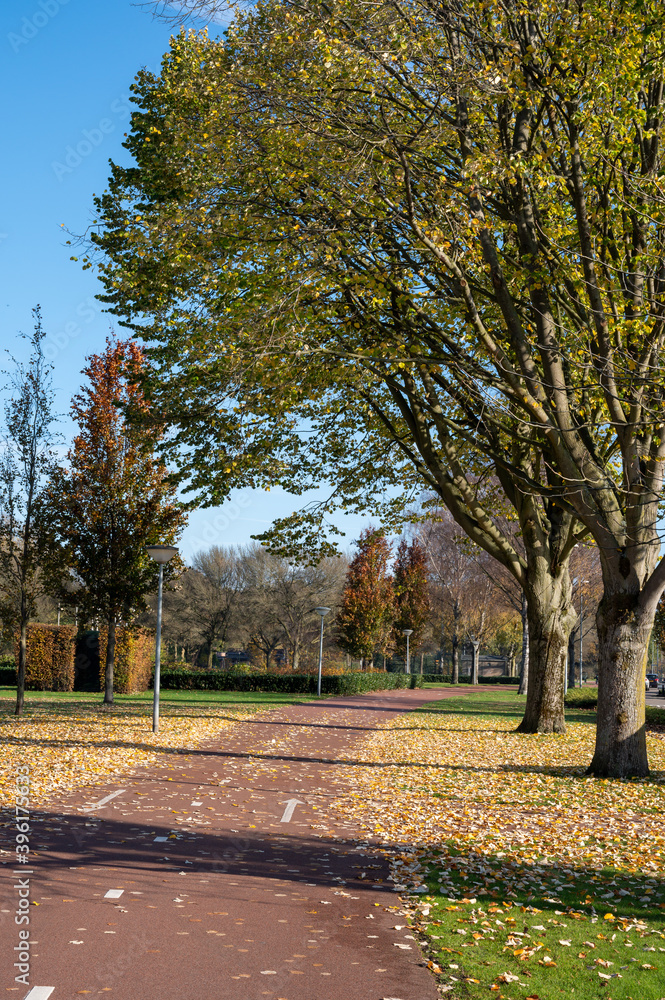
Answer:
(322, 612)
(161, 554)
(407, 632)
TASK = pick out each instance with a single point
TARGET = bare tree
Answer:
(279, 600)
(214, 589)
(26, 462)
(462, 594)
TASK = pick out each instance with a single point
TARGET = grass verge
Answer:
(524, 878)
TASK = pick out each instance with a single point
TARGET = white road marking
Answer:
(290, 809)
(113, 894)
(40, 993)
(102, 802)
(197, 803)
(160, 840)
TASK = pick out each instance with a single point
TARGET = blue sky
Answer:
(65, 72)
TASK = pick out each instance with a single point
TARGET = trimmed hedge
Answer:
(447, 679)
(217, 680)
(581, 697)
(7, 671)
(49, 658)
(588, 698)
(134, 659)
(656, 715)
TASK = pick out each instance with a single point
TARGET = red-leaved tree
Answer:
(411, 585)
(365, 620)
(114, 498)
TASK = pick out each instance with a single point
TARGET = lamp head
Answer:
(161, 553)
(322, 611)
(407, 631)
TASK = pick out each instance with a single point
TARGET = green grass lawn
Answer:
(168, 700)
(502, 703)
(507, 703)
(519, 925)
(531, 942)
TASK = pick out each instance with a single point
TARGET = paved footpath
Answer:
(217, 873)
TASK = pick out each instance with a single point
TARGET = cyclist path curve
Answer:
(219, 873)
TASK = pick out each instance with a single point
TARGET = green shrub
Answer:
(581, 697)
(655, 715)
(588, 698)
(351, 683)
(7, 671)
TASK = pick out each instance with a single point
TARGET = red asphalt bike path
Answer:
(218, 873)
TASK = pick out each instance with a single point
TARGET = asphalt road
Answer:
(218, 874)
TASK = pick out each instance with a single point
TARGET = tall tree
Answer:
(262, 626)
(26, 462)
(351, 307)
(411, 588)
(461, 210)
(215, 590)
(297, 589)
(203, 607)
(367, 613)
(462, 594)
(113, 498)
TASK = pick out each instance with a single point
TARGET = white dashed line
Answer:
(160, 840)
(40, 993)
(113, 894)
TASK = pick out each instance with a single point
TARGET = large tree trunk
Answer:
(550, 615)
(110, 661)
(524, 673)
(209, 661)
(624, 630)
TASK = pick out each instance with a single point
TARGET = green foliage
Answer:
(659, 624)
(434, 236)
(353, 683)
(582, 697)
(588, 698)
(549, 907)
(7, 670)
